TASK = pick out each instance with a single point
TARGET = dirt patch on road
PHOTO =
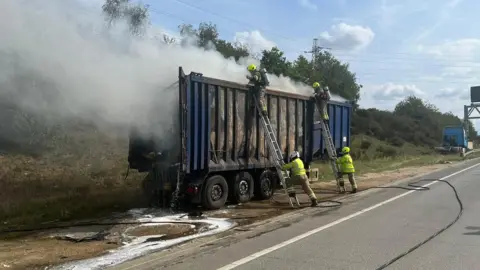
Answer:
(250, 213)
(375, 179)
(168, 231)
(72, 244)
(38, 253)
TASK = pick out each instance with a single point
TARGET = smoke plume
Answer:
(58, 60)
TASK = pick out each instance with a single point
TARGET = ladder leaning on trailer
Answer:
(328, 141)
(274, 148)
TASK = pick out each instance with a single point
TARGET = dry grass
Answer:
(391, 163)
(70, 183)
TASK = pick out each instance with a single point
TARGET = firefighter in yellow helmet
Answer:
(299, 174)
(322, 96)
(345, 163)
(258, 79)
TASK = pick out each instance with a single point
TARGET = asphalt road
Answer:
(365, 233)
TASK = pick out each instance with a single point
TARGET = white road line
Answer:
(338, 221)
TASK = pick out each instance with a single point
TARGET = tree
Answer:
(275, 62)
(472, 133)
(336, 75)
(136, 15)
(207, 34)
(187, 30)
(114, 9)
(412, 106)
(137, 18)
(302, 70)
(229, 50)
(169, 40)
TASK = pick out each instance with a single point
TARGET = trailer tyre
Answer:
(265, 185)
(242, 188)
(215, 192)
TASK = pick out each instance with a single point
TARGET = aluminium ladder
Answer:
(277, 154)
(328, 141)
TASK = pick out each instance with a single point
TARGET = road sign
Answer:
(475, 94)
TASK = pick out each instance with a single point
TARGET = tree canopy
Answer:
(413, 120)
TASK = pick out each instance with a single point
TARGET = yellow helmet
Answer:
(346, 149)
(251, 67)
(316, 85)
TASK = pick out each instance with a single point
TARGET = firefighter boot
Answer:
(341, 184)
(353, 183)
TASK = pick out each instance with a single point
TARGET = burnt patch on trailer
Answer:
(236, 135)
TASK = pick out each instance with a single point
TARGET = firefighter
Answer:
(346, 167)
(259, 80)
(298, 173)
(323, 94)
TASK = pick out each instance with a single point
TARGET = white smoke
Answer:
(78, 68)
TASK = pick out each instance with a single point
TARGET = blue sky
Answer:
(396, 48)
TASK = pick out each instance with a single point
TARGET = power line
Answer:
(338, 52)
(185, 21)
(233, 20)
(347, 57)
(393, 57)
(352, 56)
(453, 65)
(345, 51)
(316, 48)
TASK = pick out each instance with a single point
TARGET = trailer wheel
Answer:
(265, 186)
(215, 192)
(242, 187)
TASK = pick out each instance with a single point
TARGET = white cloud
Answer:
(348, 37)
(459, 59)
(391, 91)
(307, 4)
(465, 49)
(452, 93)
(254, 40)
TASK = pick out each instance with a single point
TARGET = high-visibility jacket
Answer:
(346, 164)
(296, 167)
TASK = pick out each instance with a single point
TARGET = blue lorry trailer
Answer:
(220, 152)
(454, 136)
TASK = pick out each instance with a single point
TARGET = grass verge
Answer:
(372, 156)
(42, 191)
